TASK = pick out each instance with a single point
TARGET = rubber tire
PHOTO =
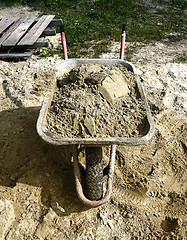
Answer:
(94, 173)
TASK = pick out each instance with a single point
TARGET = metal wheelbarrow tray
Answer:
(66, 66)
(42, 129)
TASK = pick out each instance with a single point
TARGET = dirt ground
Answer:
(37, 191)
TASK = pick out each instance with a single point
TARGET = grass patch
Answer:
(181, 58)
(100, 21)
(46, 52)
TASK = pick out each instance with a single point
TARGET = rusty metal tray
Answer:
(66, 66)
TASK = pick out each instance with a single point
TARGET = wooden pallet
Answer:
(18, 36)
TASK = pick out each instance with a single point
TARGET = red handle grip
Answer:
(63, 38)
(123, 38)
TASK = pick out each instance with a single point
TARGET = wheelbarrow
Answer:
(93, 196)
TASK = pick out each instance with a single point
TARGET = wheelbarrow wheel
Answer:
(94, 173)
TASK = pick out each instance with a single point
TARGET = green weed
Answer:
(182, 58)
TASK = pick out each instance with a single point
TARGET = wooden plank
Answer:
(11, 29)
(16, 35)
(31, 37)
(49, 32)
(55, 22)
(5, 23)
(15, 55)
(41, 42)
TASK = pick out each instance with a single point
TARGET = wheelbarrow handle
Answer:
(123, 37)
(63, 39)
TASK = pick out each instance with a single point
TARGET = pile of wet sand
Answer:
(97, 101)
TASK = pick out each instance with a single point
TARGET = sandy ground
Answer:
(37, 191)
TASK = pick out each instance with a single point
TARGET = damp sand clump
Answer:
(96, 101)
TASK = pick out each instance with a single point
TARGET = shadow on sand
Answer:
(26, 158)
